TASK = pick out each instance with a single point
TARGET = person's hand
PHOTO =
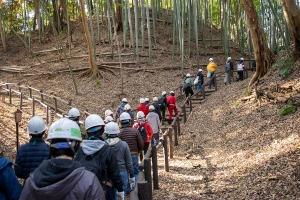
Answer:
(121, 195)
(132, 182)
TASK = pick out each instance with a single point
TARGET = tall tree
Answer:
(1, 27)
(118, 20)
(292, 16)
(262, 53)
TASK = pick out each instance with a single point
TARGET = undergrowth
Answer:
(289, 108)
(285, 63)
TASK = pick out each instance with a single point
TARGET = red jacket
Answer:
(171, 100)
(144, 108)
(148, 128)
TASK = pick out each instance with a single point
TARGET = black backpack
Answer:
(142, 131)
(161, 102)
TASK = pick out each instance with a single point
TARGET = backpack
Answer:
(142, 131)
(185, 86)
(161, 102)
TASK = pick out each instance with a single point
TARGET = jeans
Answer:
(126, 186)
(135, 162)
(109, 192)
(199, 86)
(226, 79)
(155, 139)
(212, 80)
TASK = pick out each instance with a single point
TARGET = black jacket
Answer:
(200, 80)
(157, 110)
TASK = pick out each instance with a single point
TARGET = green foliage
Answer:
(247, 92)
(97, 84)
(285, 63)
(236, 104)
(287, 109)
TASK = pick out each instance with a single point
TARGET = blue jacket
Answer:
(10, 187)
(30, 156)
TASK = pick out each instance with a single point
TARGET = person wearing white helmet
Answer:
(157, 107)
(145, 130)
(122, 151)
(147, 102)
(120, 109)
(108, 113)
(153, 119)
(96, 156)
(61, 177)
(74, 115)
(128, 110)
(31, 155)
(240, 69)
(108, 119)
(142, 107)
(134, 140)
(211, 68)
(171, 101)
(200, 79)
(162, 102)
(187, 87)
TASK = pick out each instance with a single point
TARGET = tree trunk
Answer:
(37, 13)
(64, 14)
(118, 20)
(292, 16)
(55, 16)
(1, 27)
(93, 68)
(262, 53)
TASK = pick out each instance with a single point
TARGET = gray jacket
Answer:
(62, 179)
(153, 119)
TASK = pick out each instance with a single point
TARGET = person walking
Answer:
(240, 69)
(211, 68)
(61, 177)
(109, 113)
(74, 115)
(142, 107)
(122, 151)
(128, 110)
(200, 80)
(97, 156)
(134, 140)
(145, 130)
(157, 107)
(154, 121)
(33, 153)
(228, 67)
(120, 109)
(162, 102)
(171, 102)
(187, 87)
(147, 102)
(10, 187)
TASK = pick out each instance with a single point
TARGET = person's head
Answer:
(188, 75)
(108, 113)
(228, 59)
(36, 126)
(112, 130)
(155, 99)
(94, 126)
(125, 119)
(200, 70)
(64, 137)
(140, 115)
(151, 108)
(124, 100)
(172, 93)
(74, 114)
(164, 93)
(210, 59)
(127, 107)
(146, 100)
(242, 59)
(142, 100)
(108, 119)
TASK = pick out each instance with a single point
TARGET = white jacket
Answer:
(153, 119)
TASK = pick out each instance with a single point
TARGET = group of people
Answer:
(96, 161)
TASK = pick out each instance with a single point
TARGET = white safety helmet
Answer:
(147, 99)
(140, 115)
(188, 75)
(142, 100)
(125, 116)
(109, 119)
(151, 108)
(124, 100)
(242, 59)
(172, 92)
(200, 70)
(93, 120)
(73, 113)
(127, 107)
(108, 112)
(36, 125)
(64, 129)
(155, 99)
(229, 58)
(164, 93)
(211, 59)
(112, 128)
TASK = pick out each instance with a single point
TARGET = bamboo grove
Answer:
(189, 23)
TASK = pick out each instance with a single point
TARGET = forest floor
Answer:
(229, 148)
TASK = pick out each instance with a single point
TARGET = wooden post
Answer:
(70, 103)
(42, 95)
(19, 85)
(30, 91)
(175, 132)
(178, 126)
(166, 153)
(47, 115)
(215, 81)
(191, 108)
(33, 103)
(148, 177)
(203, 92)
(184, 113)
(55, 102)
(7, 89)
(143, 192)
(171, 142)
(10, 95)
(154, 168)
(21, 100)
